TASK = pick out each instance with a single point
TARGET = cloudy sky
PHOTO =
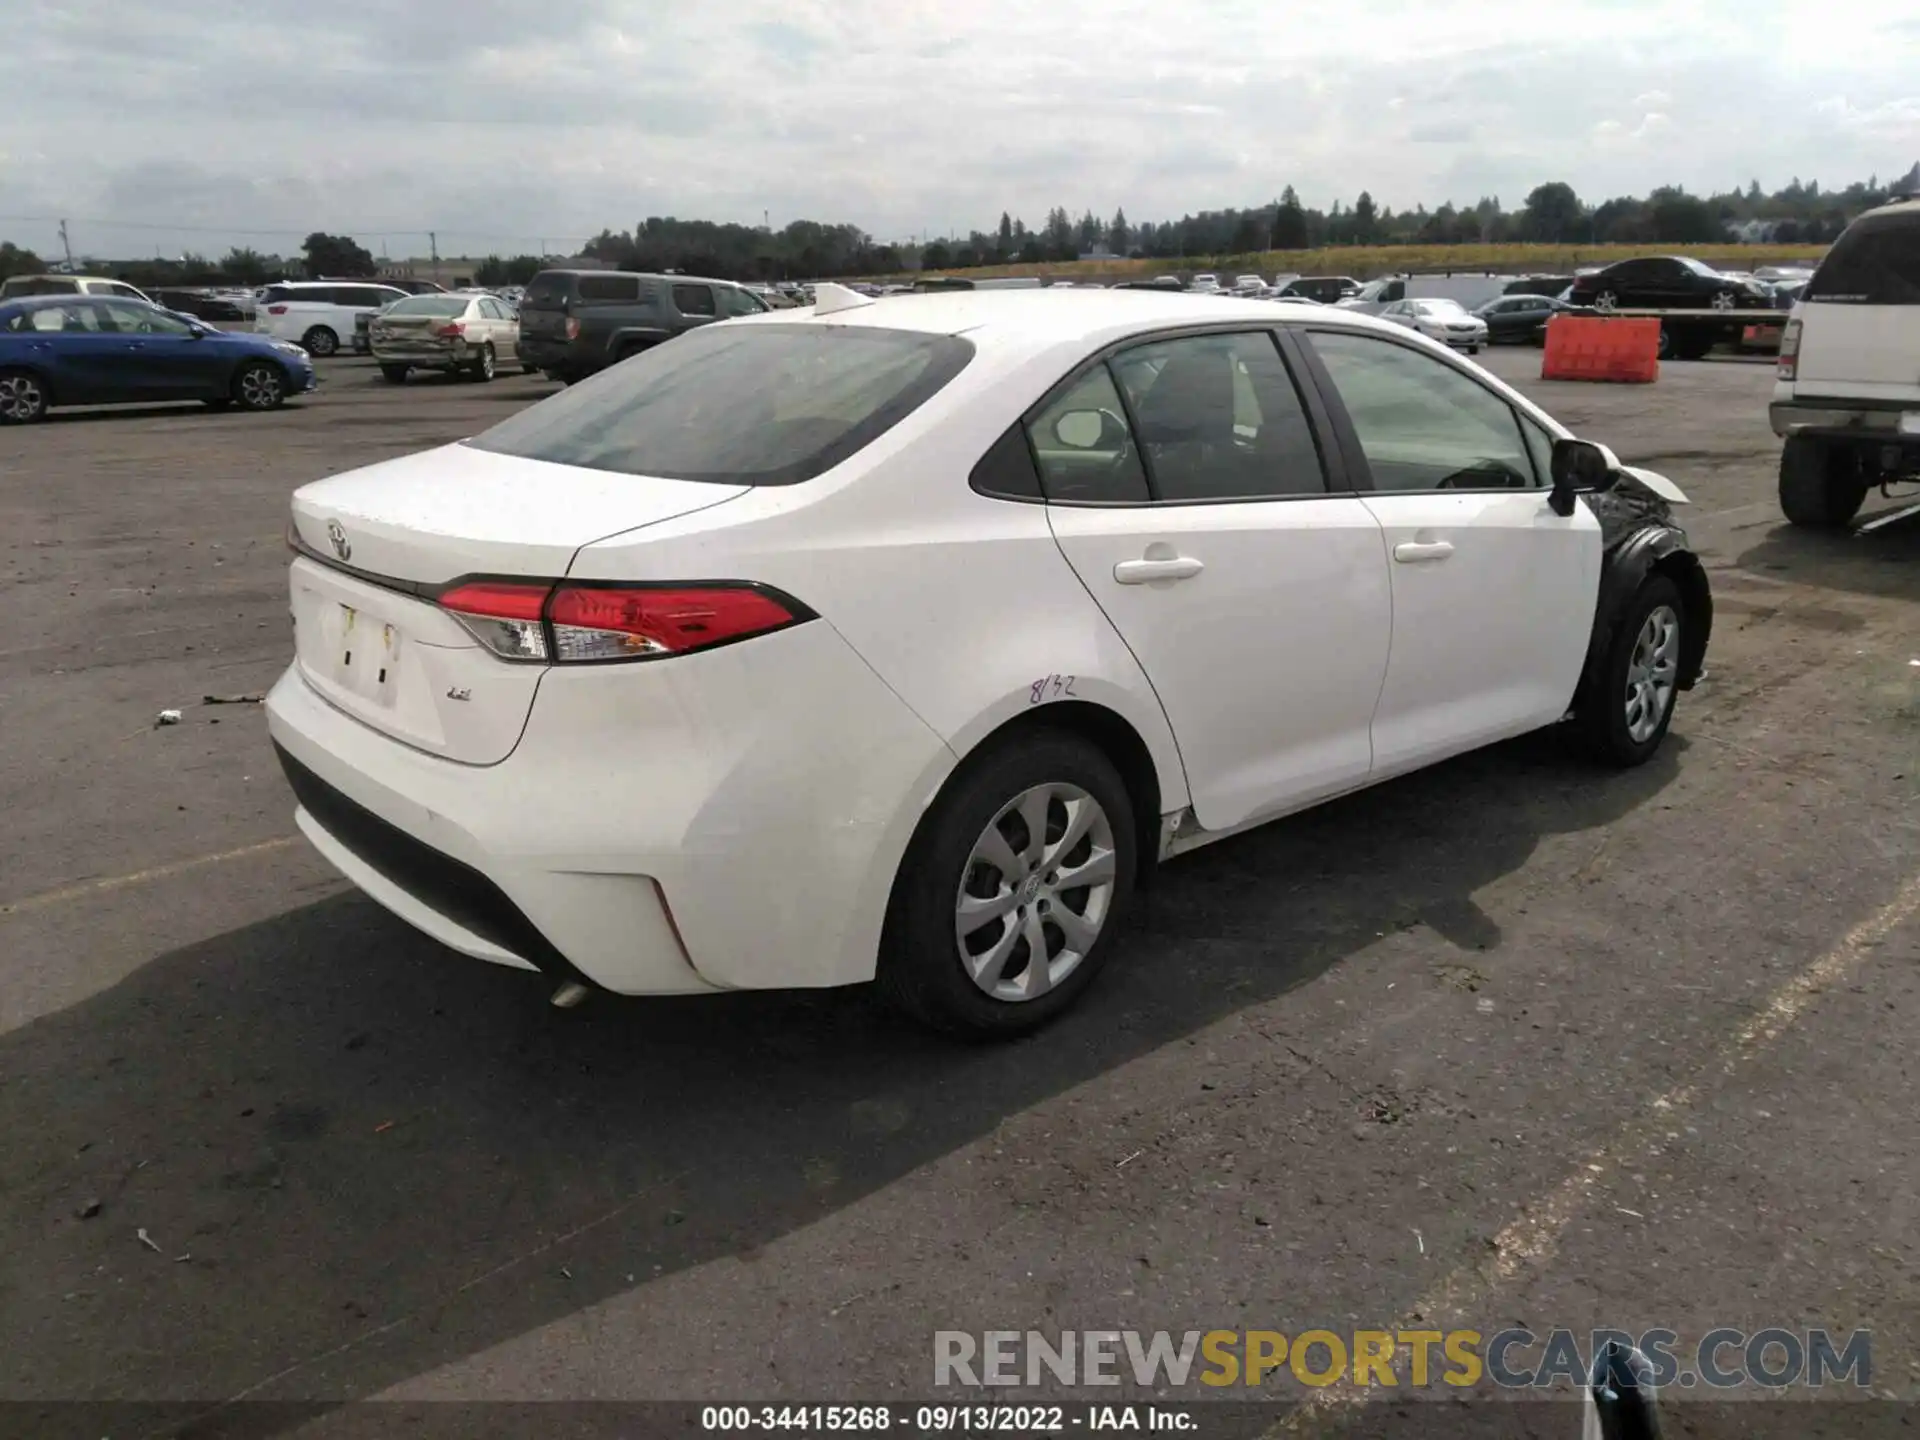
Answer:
(502, 123)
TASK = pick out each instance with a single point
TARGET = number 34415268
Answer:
(1052, 687)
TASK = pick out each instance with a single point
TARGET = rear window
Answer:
(1876, 262)
(430, 305)
(550, 288)
(754, 405)
(607, 287)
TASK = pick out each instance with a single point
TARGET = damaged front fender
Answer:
(1638, 540)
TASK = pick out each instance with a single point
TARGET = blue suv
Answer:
(85, 350)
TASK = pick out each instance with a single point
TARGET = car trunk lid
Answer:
(380, 543)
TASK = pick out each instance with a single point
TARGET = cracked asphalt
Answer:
(1511, 1041)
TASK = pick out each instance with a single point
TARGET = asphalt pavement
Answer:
(1511, 1041)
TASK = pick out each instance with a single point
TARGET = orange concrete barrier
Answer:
(1585, 347)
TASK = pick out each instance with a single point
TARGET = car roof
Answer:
(649, 275)
(41, 302)
(1021, 318)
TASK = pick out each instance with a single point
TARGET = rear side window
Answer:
(1007, 470)
(693, 299)
(275, 295)
(752, 405)
(1218, 418)
(1084, 446)
(1875, 262)
(605, 288)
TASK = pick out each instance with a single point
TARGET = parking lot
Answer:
(1510, 1041)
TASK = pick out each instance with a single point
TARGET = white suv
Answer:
(318, 315)
(1847, 399)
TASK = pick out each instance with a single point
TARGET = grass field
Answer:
(1363, 262)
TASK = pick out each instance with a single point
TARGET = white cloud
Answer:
(503, 123)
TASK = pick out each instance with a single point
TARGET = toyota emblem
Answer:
(338, 539)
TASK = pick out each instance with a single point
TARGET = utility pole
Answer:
(65, 245)
(433, 249)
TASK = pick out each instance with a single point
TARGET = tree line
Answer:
(1554, 213)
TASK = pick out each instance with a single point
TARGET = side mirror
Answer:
(1580, 466)
(1619, 1400)
(1089, 430)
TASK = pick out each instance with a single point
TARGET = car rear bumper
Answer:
(548, 353)
(734, 826)
(1843, 419)
(423, 356)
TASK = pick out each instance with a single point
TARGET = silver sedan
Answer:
(470, 335)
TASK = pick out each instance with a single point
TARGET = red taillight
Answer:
(1789, 351)
(573, 327)
(503, 615)
(276, 309)
(596, 622)
(573, 623)
(451, 332)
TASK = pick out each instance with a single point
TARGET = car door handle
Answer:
(1413, 552)
(1145, 572)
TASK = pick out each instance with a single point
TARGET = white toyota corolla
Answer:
(901, 638)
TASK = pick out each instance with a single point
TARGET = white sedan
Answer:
(1447, 321)
(900, 639)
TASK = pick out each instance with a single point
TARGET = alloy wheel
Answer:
(1035, 892)
(1651, 673)
(21, 397)
(260, 388)
(1724, 300)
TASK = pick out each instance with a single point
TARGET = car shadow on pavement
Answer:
(1882, 562)
(322, 1142)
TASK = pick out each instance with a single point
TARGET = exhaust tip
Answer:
(569, 995)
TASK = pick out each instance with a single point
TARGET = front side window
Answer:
(1423, 424)
(1084, 446)
(1218, 418)
(746, 405)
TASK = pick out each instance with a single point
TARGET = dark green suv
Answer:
(574, 322)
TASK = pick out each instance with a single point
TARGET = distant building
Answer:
(1754, 232)
(1100, 252)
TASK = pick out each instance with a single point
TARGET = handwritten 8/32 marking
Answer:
(1051, 687)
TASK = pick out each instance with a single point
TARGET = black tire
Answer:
(1600, 719)
(320, 340)
(1821, 486)
(920, 968)
(259, 385)
(23, 397)
(395, 374)
(483, 368)
(1668, 344)
(526, 369)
